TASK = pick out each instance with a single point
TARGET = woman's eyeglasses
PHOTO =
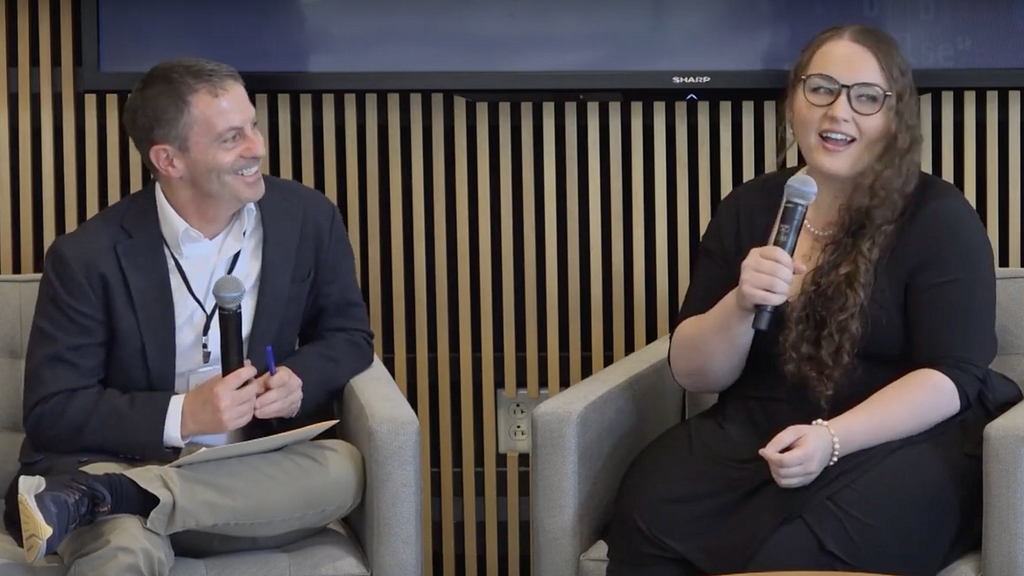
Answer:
(865, 98)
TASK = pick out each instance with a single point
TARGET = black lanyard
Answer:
(188, 286)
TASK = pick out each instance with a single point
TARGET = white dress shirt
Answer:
(204, 261)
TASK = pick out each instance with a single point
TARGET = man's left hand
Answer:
(280, 395)
(798, 454)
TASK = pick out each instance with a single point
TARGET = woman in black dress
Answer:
(848, 435)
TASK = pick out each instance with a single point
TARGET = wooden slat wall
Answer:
(499, 245)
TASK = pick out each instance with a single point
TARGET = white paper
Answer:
(255, 446)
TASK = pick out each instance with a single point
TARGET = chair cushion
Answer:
(1010, 323)
(594, 562)
(332, 552)
(17, 304)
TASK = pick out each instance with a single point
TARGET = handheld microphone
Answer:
(800, 191)
(229, 292)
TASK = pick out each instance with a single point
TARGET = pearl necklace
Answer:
(816, 231)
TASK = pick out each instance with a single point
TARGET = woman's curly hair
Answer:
(823, 331)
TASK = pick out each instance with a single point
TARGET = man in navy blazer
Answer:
(122, 372)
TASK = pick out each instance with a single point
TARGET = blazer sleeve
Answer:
(951, 296)
(335, 341)
(66, 406)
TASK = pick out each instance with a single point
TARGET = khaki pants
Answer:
(245, 503)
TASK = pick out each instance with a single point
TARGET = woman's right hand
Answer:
(766, 276)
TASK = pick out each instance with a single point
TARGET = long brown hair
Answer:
(824, 324)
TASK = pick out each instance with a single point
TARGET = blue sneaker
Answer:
(53, 507)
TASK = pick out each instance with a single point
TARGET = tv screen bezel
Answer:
(91, 79)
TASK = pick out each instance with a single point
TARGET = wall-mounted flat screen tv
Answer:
(496, 45)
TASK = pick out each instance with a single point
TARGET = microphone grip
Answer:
(786, 234)
(231, 355)
(762, 317)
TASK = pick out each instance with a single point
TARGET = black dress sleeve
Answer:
(951, 296)
(717, 266)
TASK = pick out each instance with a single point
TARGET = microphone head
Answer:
(229, 292)
(801, 189)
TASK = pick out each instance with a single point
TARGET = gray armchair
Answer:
(586, 436)
(383, 535)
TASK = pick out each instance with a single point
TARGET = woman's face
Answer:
(839, 140)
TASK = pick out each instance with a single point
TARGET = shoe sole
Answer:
(35, 531)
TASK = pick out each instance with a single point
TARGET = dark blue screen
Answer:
(541, 35)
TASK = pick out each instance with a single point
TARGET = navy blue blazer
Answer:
(100, 365)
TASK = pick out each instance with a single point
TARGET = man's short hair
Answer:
(157, 109)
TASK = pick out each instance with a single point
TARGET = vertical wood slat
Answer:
(992, 170)
(572, 219)
(134, 168)
(637, 193)
(46, 135)
(397, 256)
(92, 176)
(926, 133)
(418, 218)
(508, 271)
(792, 150)
(748, 140)
(306, 138)
(703, 164)
(373, 222)
(284, 135)
(465, 310)
(509, 281)
(661, 217)
(1014, 154)
(6, 210)
(529, 252)
(487, 371)
(947, 136)
(352, 192)
(443, 352)
(725, 147)
(67, 99)
(771, 159)
(970, 148)
(512, 465)
(113, 151)
(263, 121)
(683, 195)
(618, 265)
(25, 137)
(330, 144)
(551, 286)
(596, 235)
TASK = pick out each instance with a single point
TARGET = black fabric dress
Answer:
(700, 500)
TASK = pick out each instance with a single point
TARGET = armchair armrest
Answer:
(1003, 481)
(378, 420)
(584, 439)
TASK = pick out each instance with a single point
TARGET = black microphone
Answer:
(229, 292)
(800, 191)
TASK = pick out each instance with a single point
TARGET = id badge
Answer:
(197, 377)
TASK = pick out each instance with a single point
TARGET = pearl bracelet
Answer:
(835, 440)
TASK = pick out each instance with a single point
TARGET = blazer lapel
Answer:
(145, 269)
(282, 222)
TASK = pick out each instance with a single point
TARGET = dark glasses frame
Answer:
(848, 88)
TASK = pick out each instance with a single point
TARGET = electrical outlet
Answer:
(514, 420)
(518, 432)
(518, 410)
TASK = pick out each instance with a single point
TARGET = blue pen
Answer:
(270, 361)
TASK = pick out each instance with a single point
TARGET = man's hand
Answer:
(280, 395)
(220, 404)
(798, 454)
